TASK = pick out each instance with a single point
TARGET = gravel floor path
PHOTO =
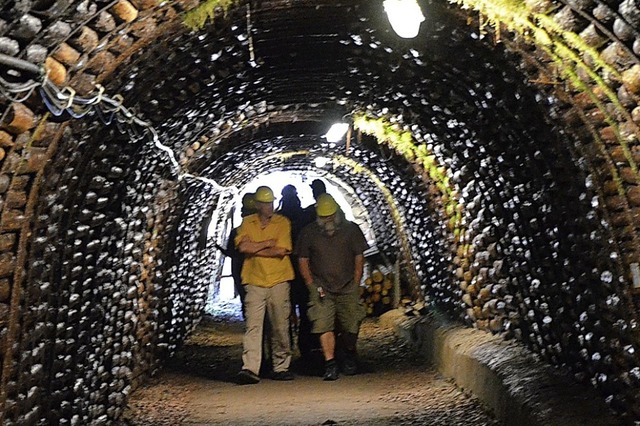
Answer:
(394, 388)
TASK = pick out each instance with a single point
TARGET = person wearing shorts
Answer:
(330, 253)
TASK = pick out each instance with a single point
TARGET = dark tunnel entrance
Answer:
(508, 203)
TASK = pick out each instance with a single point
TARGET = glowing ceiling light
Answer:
(336, 132)
(405, 17)
(320, 162)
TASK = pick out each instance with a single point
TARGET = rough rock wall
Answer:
(516, 188)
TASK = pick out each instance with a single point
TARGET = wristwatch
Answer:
(320, 292)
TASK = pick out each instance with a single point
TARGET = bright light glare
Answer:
(405, 17)
(320, 162)
(336, 132)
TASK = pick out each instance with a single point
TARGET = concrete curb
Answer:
(519, 388)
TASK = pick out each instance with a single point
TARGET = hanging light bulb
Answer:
(405, 17)
(336, 132)
(320, 162)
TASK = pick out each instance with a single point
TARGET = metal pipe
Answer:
(20, 64)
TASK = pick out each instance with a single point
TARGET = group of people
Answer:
(298, 266)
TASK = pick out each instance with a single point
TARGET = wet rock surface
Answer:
(395, 386)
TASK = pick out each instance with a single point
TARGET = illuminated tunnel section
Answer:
(496, 161)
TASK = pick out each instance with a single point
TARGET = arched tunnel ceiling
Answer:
(497, 152)
(346, 59)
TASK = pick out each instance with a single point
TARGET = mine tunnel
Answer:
(494, 156)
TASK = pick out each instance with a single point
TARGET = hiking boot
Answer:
(331, 370)
(246, 377)
(282, 375)
(349, 366)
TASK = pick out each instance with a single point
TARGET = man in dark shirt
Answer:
(317, 188)
(237, 258)
(308, 343)
(331, 260)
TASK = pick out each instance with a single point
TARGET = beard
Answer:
(329, 227)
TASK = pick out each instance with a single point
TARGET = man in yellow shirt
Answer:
(265, 240)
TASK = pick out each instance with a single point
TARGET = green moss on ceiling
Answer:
(403, 142)
(197, 18)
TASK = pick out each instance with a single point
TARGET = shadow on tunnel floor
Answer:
(213, 351)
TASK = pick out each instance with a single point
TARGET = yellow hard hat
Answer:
(326, 205)
(264, 194)
(249, 201)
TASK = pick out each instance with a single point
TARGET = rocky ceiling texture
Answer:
(496, 155)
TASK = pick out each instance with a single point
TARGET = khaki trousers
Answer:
(275, 302)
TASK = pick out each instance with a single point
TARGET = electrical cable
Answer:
(252, 55)
(16, 99)
(7, 89)
(18, 87)
(66, 101)
(20, 64)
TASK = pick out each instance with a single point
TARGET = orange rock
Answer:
(125, 11)
(19, 119)
(57, 73)
(67, 54)
(631, 79)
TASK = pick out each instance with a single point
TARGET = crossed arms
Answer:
(266, 248)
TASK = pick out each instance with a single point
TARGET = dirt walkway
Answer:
(197, 388)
